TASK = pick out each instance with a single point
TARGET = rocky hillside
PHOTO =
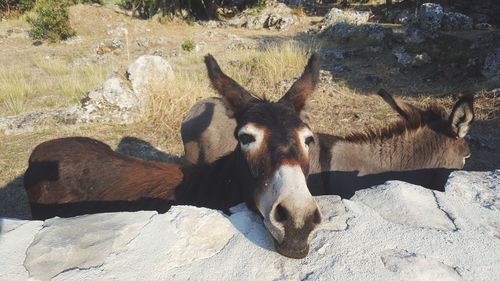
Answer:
(396, 231)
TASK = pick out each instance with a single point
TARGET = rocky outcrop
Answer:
(119, 99)
(345, 26)
(406, 58)
(275, 15)
(149, 73)
(430, 16)
(396, 231)
(351, 17)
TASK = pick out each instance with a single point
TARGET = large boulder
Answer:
(275, 15)
(406, 58)
(149, 73)
(112, 101)
(430, 16)
(351, 17)
(363, 33)
(395, 231)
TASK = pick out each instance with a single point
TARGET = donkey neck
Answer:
(419, 148)
(219, 185)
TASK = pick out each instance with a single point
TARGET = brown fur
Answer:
(88, 170)
(422, 139)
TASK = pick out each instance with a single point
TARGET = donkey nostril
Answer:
(281, 214)
(317, 217)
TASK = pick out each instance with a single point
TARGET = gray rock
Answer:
(476, 187)
(430, 16)
(275, 16)
(29, 121)
(376, 32)
(113, 101)
(456, 21)
(366, 33)
(340, 31)
(410, 201)
(81, 249)
(483, 26)
(413, 266)
(406, 58)
(149, 73)
(491, 66)
(351, 17)
(108, 46)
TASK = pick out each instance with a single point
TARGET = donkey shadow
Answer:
(345, 184)
(14, 201)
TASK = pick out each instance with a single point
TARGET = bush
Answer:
(188, 45)
(199, 9)
(51, 20)
(9, 6)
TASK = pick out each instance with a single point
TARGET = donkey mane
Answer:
(413, 120)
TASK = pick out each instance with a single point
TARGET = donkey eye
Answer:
(309, 140)
(246, 139)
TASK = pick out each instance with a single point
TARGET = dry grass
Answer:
(51, 83)
(15, 87)
(256, 70)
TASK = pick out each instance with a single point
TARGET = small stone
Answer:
(483, 26)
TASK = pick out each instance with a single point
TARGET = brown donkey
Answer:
(267, 169)
(77, 175)
(422, 148)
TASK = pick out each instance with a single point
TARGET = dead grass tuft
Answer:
(257, 70)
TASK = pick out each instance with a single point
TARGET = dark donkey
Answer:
(72, 176)
(422, 148)
(267, 169)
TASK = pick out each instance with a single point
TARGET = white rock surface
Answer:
(336, 15)
(114, 100)
(396, 231)
(149, 73)
(406, 204)
(274, 15)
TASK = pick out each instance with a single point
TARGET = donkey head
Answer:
(274, 143)
(451, 129)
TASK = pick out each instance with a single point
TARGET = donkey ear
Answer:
(462, 115)
(304, 86)
(235, 96)
(405, 110)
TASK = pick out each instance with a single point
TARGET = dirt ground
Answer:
(344, 105)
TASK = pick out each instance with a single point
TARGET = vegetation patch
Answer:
(50, 21)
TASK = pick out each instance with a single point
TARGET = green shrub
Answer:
(26, 5)
(51, 20)
(16, 6)
(188, 45)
